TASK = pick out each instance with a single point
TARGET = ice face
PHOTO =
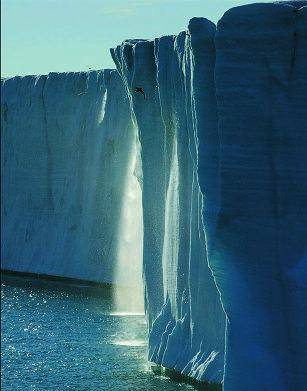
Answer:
(260, 239)
(228, 106)
(66, 143)
(220, 164)
(186, 320)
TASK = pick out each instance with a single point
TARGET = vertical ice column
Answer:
(205, 152)
(205, 352)
(259, 247)
(164, 55)
(135, 61)
(202, 32)
(175, 348)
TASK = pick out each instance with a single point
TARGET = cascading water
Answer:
(128, 268)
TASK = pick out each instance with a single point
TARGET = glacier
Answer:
(214, 151)
(226, 117)
(175, 266)
(261, 233)
(65, 164)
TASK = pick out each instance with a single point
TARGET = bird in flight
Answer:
(82, 93)
(140, 90)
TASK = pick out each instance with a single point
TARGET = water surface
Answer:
(62, 337)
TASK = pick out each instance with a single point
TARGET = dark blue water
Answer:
(59, 337)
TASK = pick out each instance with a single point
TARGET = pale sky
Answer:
(40, 36)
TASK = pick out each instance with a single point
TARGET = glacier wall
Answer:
(209, 129)
(260, 240)
(222, 129)
(66, 154)
(185, 316)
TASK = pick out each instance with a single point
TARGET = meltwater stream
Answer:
(57, 336)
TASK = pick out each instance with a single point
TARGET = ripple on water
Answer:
(58, 339)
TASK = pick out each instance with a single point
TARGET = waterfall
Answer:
(128, 293)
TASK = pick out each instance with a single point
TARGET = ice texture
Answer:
(65, 154)
(220, 116)
(223, 133)
(259, 245)
(186, 320)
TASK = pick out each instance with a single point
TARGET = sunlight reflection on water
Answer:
(131, 342)
(126, 314)
(56, 340)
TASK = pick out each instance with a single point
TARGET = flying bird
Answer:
(140, 90)
(82, 93)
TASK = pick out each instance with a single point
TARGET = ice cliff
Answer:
(223, 133)
(221, 122)
(259, 245)
(66, 156)
(186, 320)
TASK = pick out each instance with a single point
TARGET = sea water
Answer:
(58, 336)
